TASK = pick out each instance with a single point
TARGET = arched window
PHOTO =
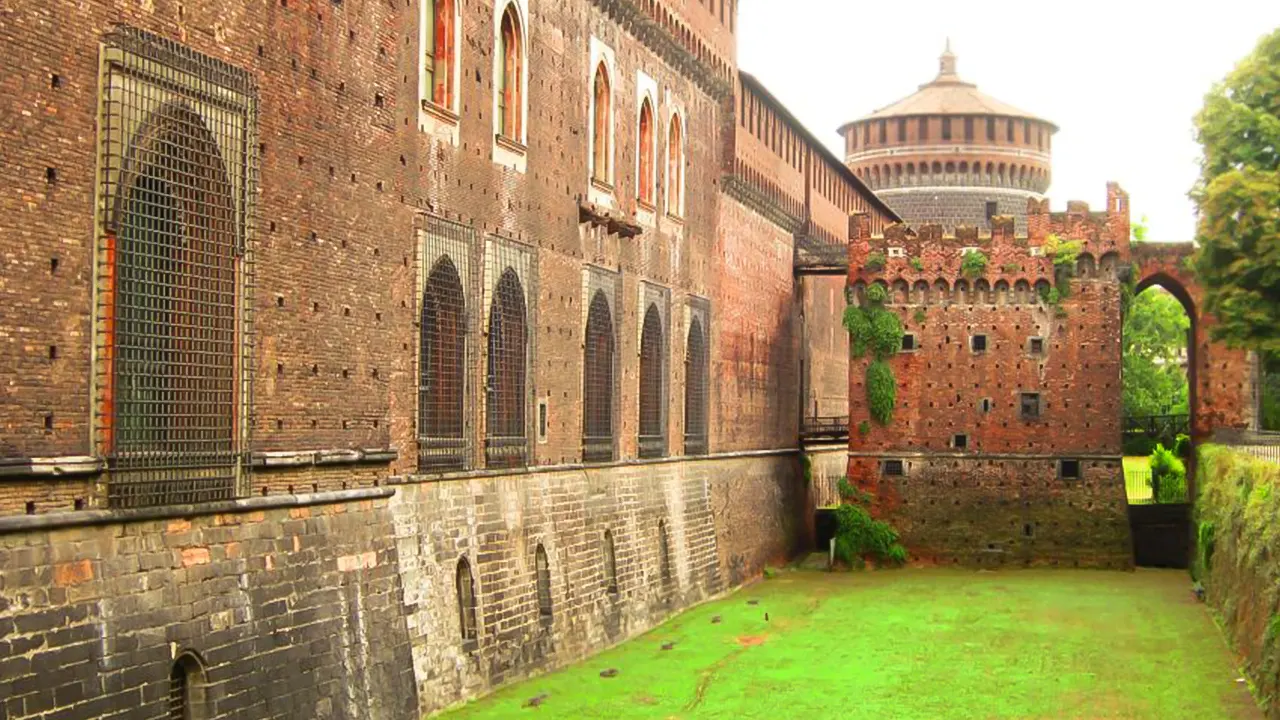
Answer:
(675, 167)
(653, 373)
(610, 564)
(695, 390)
(511, 77)
(506, 432)
(601, 127)
(647, 151)
(170, 386)
(442, 441)
(186, 689)
(542, 568)
(464, 585)
(439, 49)
(597, 383)
(664, 552)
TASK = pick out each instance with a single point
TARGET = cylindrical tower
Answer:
(951, 154)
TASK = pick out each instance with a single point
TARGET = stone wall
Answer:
(344, 605)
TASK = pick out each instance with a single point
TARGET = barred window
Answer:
(695, 390)
(186, 689)
(439, 48)
(601, 126)
(506, 428)
(597, 383)
(653, 432)
(466, 590)
(542, 568)
(664, 552)
(442, 444)
(174, 271)
(511, 76)
(610, 564)
(647, 151)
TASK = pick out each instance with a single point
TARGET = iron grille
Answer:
(507, 388)
(653, 378)
(543, 570)
(178, 692)
(178, 174)
(598, 382)
(444, 437)
(466, 600)
(697, 362)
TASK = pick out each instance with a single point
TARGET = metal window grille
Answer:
(696, 386)
(508, 392)
(664, 552)
(543, 570)
(598, 382)
(466, 590)
(444, 433)
(653, 379)
(174, 325)
(179, 700)
(186, 699)
(610, 564)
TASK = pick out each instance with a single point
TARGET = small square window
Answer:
(1030, 406)
(1037, 252)
(960, 442)
(978, 343)
(897, 252)
(1035, 345)
(893, 468)
(909, 343)
(1069, 469)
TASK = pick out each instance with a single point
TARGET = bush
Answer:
(875, 262)
(864, 428)
(859, 536)
(917, 264)
(877, 293)
(973, 264)
(1168, 476)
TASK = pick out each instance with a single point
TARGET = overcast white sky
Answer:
(1122, 79)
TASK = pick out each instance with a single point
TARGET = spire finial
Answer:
(947, 63)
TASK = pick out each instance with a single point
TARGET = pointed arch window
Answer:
(464, 585)
(653, 373)
(542, 569)
(695, 390)
(187, 689)
(602, 127)
(439, 48)
(506, 429)
(177, 168)
(510, 85)
(442, 444)
(598, 383)
(646, 169)
(675, 167)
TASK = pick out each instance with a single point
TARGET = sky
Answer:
(1122, 79)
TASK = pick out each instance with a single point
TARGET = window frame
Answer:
(430, 23)
(647, 154)
(1022, 406)
(511, 138)
(675, 186)
(1062, 469)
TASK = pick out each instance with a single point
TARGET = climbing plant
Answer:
(859, 536)
(917, 264)
(875, 262)
(878, 330)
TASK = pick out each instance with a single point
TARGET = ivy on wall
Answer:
(875, 329)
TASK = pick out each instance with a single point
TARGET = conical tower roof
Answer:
(947, 94)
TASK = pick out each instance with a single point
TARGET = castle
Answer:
(363, 356)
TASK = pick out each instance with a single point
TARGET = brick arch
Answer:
(1221, 392)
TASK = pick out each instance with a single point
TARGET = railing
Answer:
(1165, 428)
(506, 452)
(815, 257)
(442, 454)
(1143, 488)
(1261, 444)
(816, 427)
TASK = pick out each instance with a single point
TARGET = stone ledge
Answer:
(79, 466)
(943, 455)
(51, 467)
(84, 518)
(285, 459)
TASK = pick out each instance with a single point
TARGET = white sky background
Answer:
(1121, 79)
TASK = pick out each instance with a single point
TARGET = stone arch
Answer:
(1002, 292)
(982, 291)
(964, 167)
(858, 294)
(187, 688)
(1042, 287)
(941, 291)
(442, 381)
(961, 289)
(951, 168)
(920, 292)
(937, 168)
(1021, 292)
(901, 292)
(1086, 267)
(598, 367)
(1109, 264)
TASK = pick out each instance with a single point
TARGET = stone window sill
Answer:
(507, 143)
(440, 113)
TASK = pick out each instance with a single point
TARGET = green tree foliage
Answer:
(973, 264)
(1271, 391)
(874, 328)
(1238, 194)
(1168, 476)
(882, 391)
(1155, 334)
(875, 262)
(1140, 229)
(859, 536)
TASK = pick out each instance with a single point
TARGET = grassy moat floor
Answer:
(907, 644)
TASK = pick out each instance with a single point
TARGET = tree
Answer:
(1238, 194)
(1155, 336)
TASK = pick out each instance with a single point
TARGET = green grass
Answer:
(910, 644)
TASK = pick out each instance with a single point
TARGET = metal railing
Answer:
(817, 427)
(1262, 444)
(1143, 488)
(1160, 427)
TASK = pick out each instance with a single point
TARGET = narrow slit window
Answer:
(647, 150)
(542, 569)
(466, 591)
(893, 468)
(601, 133)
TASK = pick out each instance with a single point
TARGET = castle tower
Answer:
(952, 154)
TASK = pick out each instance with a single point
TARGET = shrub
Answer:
(864, 428)
(1168, 476)
(858, 324)
(917, 264)
(875, 262)
(920, 315)
(886, 334)
(1012, 268)
(1050, 296)
(877, 293)
(973, 264)
(859, 536)
(1182, 446)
